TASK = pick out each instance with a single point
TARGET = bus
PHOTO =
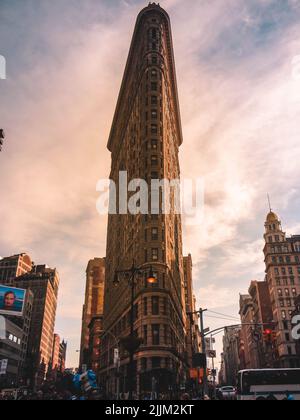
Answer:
(259, 384)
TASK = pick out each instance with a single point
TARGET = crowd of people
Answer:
(83, 387)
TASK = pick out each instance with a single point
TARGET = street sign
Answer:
(3, 366)
(212, 354)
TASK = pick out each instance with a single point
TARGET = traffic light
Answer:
(268, 336)
(2, 136)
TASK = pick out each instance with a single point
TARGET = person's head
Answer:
(9, 300)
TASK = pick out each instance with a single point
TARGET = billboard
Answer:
(12, 301)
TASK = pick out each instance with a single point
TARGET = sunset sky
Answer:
(239, 90)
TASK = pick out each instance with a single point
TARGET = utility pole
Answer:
(213, 365)
(202, 331)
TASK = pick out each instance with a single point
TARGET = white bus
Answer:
(261, 384)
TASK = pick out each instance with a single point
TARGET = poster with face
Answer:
(12, 301)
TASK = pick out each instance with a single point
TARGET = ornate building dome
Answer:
(272, 217)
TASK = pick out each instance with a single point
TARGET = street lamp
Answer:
(132, 343)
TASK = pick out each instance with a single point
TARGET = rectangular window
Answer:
(154, 254)
(154, 234)
(154, 73)
(144, 364)
(166, 334)
(165, 306)
(154, 86)
(154, 144)
(154, 100)
(155, 305)
(154, 129)
(156, 362)
(145, 306)
(154, 114)
(154, 160)
(155, 335)
(145, 338)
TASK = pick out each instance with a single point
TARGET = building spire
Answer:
(269, 202)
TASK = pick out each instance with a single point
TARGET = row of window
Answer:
(284, 271)
(275, 238)
(151, 306)
(279, 249)
(287, 292)
(157, 335)
(286, 260)
(156, 363)
(286, 314)
(14, 339)
(286, 303)
(285, 282)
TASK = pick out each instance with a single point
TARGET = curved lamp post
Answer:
(132, 343)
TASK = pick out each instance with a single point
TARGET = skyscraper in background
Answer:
(193, 336)
(14, 266)
(93, 305)
(282, 259)
(144, 141)
(55, 352)
(43, 282)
